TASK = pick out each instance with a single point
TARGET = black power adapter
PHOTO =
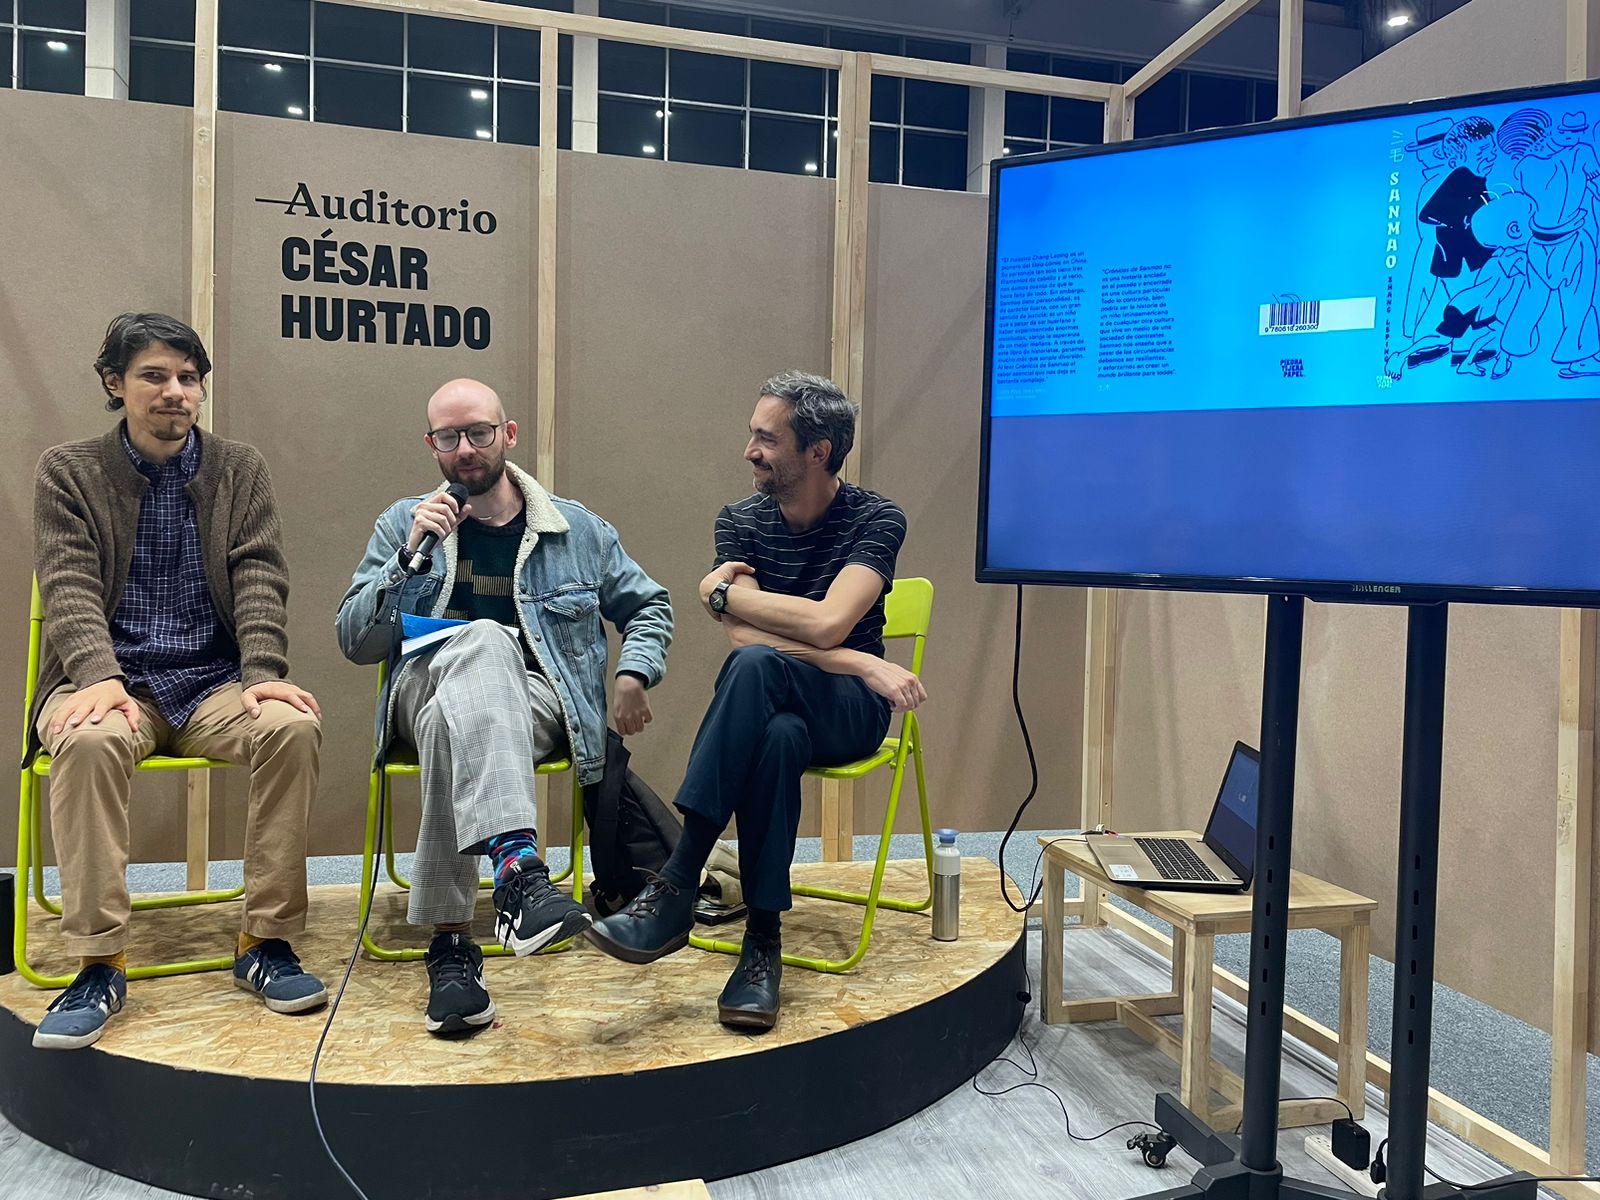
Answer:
(1352, 1145)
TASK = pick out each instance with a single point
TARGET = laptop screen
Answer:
(1232, 831)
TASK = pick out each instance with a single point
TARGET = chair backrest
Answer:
(35, 633)
(907, 611)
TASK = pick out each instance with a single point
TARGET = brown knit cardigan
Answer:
(86, 502)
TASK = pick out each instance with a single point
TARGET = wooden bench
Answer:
(1196, 919)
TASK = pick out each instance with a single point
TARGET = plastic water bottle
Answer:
(946, 887)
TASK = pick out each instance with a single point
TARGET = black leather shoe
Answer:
(652, 925)
(750, 1000)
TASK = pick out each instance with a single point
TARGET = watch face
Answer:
(719, 597)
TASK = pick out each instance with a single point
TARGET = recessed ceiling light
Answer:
(479, 93)
(55, 45)
(273, 67)
(647, 148)
(811, 166)
(296, 111)
(1005, 149)
(1399, 19)
(659, 114)
(486, 134)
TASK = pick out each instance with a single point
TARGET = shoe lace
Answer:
(763, 960)
(656, 886)
(92, 984)
(277, 960)
(453, 964)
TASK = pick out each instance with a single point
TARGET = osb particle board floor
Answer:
(574, 1013)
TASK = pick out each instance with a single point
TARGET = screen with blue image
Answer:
(1232, 831)
(1348, 353)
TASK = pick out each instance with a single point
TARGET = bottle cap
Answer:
(947, 837)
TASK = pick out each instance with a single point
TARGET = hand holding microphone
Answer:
(433, 520)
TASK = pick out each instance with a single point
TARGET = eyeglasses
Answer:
(480, 435)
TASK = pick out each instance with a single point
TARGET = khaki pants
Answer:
(91, 778)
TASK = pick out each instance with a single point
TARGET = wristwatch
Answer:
(718, 600)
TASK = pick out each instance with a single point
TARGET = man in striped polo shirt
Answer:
(798, 582)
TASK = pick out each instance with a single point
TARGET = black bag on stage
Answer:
(630, 830)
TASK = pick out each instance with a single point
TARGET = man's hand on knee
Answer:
(279, 689)
(93, 703)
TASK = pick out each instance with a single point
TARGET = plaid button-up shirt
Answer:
(165, 631)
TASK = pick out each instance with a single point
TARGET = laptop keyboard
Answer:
(1175, 860)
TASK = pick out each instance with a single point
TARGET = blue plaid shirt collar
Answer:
(187, 459)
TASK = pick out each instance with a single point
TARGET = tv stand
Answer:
(1246, 1167)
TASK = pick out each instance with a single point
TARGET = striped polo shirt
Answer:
(859, 527)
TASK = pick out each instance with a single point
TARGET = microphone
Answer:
(424, 551)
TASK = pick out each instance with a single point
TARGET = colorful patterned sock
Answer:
(508, 848)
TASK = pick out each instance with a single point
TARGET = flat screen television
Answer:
(1351, 357)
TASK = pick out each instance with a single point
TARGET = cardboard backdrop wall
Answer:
(681, 289)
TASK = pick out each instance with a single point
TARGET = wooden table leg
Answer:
(1194, 1086)
(1051, 936)
(1180, 949)
(1355, 946)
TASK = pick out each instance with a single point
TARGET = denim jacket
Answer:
(571, 571)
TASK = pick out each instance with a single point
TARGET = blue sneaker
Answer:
(78, 1016)
(271, 970)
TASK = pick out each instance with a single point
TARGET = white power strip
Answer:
(1319, 1146)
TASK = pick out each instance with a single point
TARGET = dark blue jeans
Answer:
(772, 717)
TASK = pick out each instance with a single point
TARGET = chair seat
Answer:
(403, 762)
(860, 767)
(156, 762)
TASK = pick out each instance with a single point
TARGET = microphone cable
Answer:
(333, 1009)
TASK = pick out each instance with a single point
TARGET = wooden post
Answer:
(849, 351)
(202, 315)
(1569, 1018)
(544, 462)
(1583, 39)
(1291, 46)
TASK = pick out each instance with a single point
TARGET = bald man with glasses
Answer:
(523, 679)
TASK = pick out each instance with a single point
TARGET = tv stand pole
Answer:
(1246, 1167)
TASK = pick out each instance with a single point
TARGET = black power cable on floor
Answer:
(1033, 770)
(1032, 1081)
(333, 1009)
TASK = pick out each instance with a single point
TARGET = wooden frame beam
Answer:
(737, 46)
(1291, 55)
(202, 315)
(1196, 36)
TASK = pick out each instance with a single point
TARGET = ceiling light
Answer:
(659, 114)
(811, 166)
(274, 67)
(55, 45)
(486, 134)
(296, 111)
(1005, 149)
(479, 93)
(647, 148)
(1398, 20)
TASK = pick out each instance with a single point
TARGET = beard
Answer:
(482, 476)
(775, 482)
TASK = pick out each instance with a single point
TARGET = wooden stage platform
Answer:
(594, 1075)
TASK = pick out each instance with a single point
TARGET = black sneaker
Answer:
(78, 1016)
(457, 998)
(272, 971)
(531, 912)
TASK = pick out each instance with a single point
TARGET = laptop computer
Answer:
(1221, 861)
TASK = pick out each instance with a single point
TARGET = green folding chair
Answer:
(908, 609)
(30, 841)
(401, 762)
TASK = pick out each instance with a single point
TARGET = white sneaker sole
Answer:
(570, 927)
(65, 1041)
(288, 1007)
(456, 1022)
